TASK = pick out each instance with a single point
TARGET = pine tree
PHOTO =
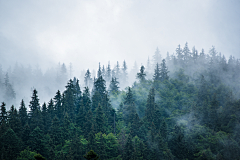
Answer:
(118, 71)
(56, 134)
(128, 149)
(163, 71)
(69, 100)
(124, 75)
(129, 109)
(141, 75)
(3, 116)
(23, 113)
(88, 79)
(34, 104)
(50, 109)
(157, 76)
(46, 119)
(91, 155)
(12, 145)
(113, 87)
(99, 74)
(37, 142)
(14, 121)
(108, 73)
(99, 123)
(58, 105)
(150, 108)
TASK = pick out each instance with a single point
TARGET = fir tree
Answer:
(141, 75)
(164, 71)
(113, 87)
(12, 145)
(23, 113)
(3, 116)
(99, 124)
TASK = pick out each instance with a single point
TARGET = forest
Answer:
(185, 106)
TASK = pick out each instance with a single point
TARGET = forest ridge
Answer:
(183, 106)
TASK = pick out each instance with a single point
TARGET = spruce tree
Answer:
(56, 134)
(3, 116)
(12, 145)
(113, 87)
(99, 123)
(34, 104)
(58, 105)
(128, 149)
(163, 71)
(124, 75)
(141, 75)
(88, 79)
(37, 142)
(23, 113)
(156, 75)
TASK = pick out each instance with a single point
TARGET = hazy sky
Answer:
(86, 32)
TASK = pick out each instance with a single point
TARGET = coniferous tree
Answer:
(34, 104)
(118, 71)
(23, 113)
(58, 105)
(99, 74)
(88, 79)
(108, 73)
(11, 144)
(124, 75)
(37, 142)
(113, 87)
(69, 100)
(99, 124)
(128, 149)
(50, 109)
(164, 71)
(91, 155)
(157, 57)
(157, 76)
(56, 134)
(14, 121)
(3, 116)
(46, 118)
(141, 75)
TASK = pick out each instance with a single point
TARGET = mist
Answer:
(87, 32)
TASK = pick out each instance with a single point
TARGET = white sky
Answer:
(86, 32)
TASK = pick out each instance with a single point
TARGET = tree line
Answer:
(186, 107)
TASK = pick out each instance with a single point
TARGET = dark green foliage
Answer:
(39, 157)
(128, 149)
(26, 155)
(11, 144)
(37, 142)
(91, 155)
(56, 133)
(23, 113)
(3, 116)
(99, 123)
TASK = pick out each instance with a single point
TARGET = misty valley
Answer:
(185, 106)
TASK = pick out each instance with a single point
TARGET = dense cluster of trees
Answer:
(186, 107)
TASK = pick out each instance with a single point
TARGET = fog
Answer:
(43, 33)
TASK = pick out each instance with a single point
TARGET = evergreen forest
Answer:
(185, 106)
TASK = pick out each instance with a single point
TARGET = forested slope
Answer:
(185, 106)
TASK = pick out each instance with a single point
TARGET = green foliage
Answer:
(26, 155)
(91, 155)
